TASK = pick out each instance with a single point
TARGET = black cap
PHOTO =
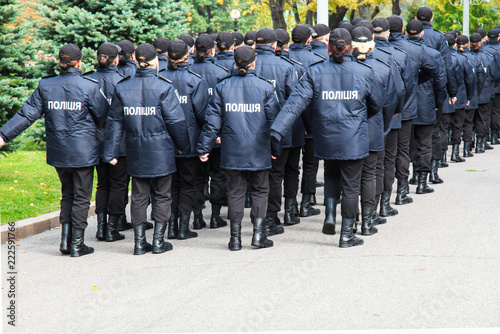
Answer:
(108, 49)
(414, 27)
(493, 33)
(320, 30)
(462, 39)
(161, 44)
(224, 40)
(283, 37)
(204, 42)
(364, 23)
(361, 34)
(127, 46)
(177, 49)
(145, 52)
(69, 52)
(457, 32)
(243, 56)
(395, 23)
(346, 25)
(380, 24)
(481, 32)
(356, 20)
(424, 14)
(301, 33)
(250, 37)
(475, 38)
(266, 35)
(188, 39)
(214, 36)
(340, 37)
(238, 38)
(450, 38)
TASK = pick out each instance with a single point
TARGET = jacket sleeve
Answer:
(114, 128)
(31, 110)
(407, 77)
(391, 100)
(428, 65)
(290, 81)
(200, 100)
(271, 107)
(213, 123)
(494, 69)
(399, 84)
(481, 77)
(440, 84)
(174, 118)
(470, 79)
(375, 96)
(98, 106)
(297, 102)
(451, 83)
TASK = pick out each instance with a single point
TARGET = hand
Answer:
(2, 142)
(273, 157)
(204, 157)
(468, 102)
(113, 162)
(217, 141)
(452, 100)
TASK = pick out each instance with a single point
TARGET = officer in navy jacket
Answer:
(204, 65)
(74, 107)
(112, 181)
(343, 93)
(225, 48)
(319, 44)
(241, 112)
(193, 95)
(161, 46)
(127, 65)
(147, 108)
(493, 47)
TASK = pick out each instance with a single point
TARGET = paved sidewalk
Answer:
(435, 265)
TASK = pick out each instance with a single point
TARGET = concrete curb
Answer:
(31, 226)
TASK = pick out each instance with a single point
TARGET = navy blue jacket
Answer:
(303, 54)
(458, 73)
(212, 73)
(343, 96)
(320, 48)
(147, 108)
(300, 69)
(242, 110)
(162, 62)
(128, 69)
(480, 77)
(466, 82)
(225, 59)
(492, 75)
(74, 106)
(493, 47)
(193, 97)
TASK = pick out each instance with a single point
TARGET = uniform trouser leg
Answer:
(380, 173)
(291, 178)
(481, 119)
(141, 190)
(201, 181)
(403, 154)
(437, 152)
(184, 185)
(391, 150)
(457, 124)
(103, 187)
(423, 147)
(76, 190)
(344, 176)
(470, 115)
(445, 125)
(236, 191)
(118, 187)
(369, 179)
(276, 175)
(495, 113)
(260, 191)
(218, 178)
(310, 165)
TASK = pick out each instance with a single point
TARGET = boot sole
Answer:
(404, 202)
(262, 246)
(186, 238)
(161, 251)
(351, 245)
(90, 251)
(65, 252)
(303, 215)
(365, 233)
(115, 239)
(424, 192)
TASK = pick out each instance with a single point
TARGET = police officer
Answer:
(493, 47)
(189, 40)
(74, 107)
(147, 108)
(225, 48)
(343, 94)
(193, 95)
(112, 181)
(127, 65)
(250, 38)
(212, 73)
(241, 111)
(161, 46)
(239, 39)
(319, 44)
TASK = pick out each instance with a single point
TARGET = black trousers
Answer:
(391, 151)
(369, 179)
(141, 190)
(310, 165)
(469, 124)
(457, 124)
(76, 192)
(421, 147)
(112, 187)
(436, 136)
(445, 125)
(237, 189)
(201, 181)
(481, 119)
(184, 185)
(343, 177)
(495, 113)
(284, 168)
(217, 178)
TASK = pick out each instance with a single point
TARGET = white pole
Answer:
(465, 27)
(322, 10)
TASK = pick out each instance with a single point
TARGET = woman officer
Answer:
(74, 107)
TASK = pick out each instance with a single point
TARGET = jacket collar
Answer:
(264, 49)
(146, 72)
(418, 39)
(225, 55)
(162, 56)
(285, 54)
(300, 47)
(381, 41)
(235, 72)
(426, 25)
(72, 71)
(181, 66)
(347, 57)
(395, 36)
(493, 43)
(318, 44)
(131, 63)
(109, 69)
(452, 50)
(208, 59)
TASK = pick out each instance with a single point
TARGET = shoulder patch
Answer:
(225, 69)
(317, 54)
(416, 43)
(49, 76)
(399, 49)
(269, 82)
(388, 52)
(90, 79)
(383, 62)
(361, 63)
(165, 79)
(89, 72)
(199, 76)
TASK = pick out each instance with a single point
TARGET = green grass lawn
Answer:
(28, 186)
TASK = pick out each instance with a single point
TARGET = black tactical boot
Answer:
(386, 210)
(289, 216)
(159, 243)
(216, 220)
(184, 231)
(78, 248)
(271, 227)
(347, 238)
(467, 150)
(306, 209)
(235, 239)
(173, 226)
(112, 233)
(377, 218)
(319, 184)
(414, 179)
(313, 199)
(66, 237)
(141, 246)
(480, 145)
(422, 187)
(443, 163)
(367, 226)
(259, 238)
(330, 213)
(455, 153)
(123, 224)
(248, 200)
(434, 176)
(402, 195)
(101, 226)
(198, 222)
(494, 138)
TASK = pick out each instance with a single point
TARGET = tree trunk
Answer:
(309, 17)
(295, 10)
(375, 12)
(365, 12)
(277, 16)
(396, 9)
(337, 16)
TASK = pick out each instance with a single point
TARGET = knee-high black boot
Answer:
(467, 149)
(289, 216)
(184, 231)
(141, 246)
(330, 213)
(259, 238)
(434, 176)
(422, 187)
(112, 233)
(235, 239)
(198, 222)
(402, 194)
(173, 226)
(271, 227)
(367, 226)
(66, 237)
(306, 209)
(347, 238)
(159, 243)
(455, 153)
(101, 226)
(377, 218)
(78, 248)
(386, 210)
(216, 220)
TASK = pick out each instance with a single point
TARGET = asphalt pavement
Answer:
(434, 265)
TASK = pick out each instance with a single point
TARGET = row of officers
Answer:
(368, 98)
